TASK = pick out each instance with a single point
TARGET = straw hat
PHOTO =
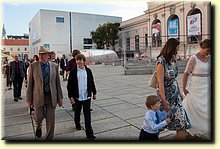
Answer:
(43, 50)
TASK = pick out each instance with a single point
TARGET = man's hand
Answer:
(72, 101)
(60, 103)
(94, 97)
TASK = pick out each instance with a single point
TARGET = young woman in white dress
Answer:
(197, 101)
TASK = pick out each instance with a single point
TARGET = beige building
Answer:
(190, 22)
(15, 46)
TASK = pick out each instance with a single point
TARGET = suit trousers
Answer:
(87, 115)
(17, 83)
(48, 112)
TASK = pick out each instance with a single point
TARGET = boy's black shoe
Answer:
(91, 137)
(38, 132)
(16, 99)
(78, 127)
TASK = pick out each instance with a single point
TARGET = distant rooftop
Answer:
(15, 42)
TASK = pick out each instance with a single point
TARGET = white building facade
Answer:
(189, 22)
(63, 31)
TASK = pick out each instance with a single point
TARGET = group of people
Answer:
(166, 109)
(191, 111)
(44, 92)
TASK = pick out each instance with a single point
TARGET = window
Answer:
(128, 44)
(120, 42)
(87, 40)
(87, 47)
(19, 49)
(146, 40)
(137, 42)
(25, 49)
(59, 20)
(11, 49)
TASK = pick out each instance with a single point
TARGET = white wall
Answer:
(45, 28)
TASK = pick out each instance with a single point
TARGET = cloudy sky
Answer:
(17, 14)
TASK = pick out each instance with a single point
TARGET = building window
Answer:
(146, 40)
(137, 42)
(194, 26)
(120, 43)
(87, 47)
(19, 49)
(87, 40)
(128, 44)
(173, 27)
(59, 20)
(11, 49)
(25, 49)
(156, 33)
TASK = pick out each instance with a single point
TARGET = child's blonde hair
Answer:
(151, 100)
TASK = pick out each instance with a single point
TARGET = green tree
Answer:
(106, 34)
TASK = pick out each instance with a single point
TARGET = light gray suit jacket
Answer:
(35, 93)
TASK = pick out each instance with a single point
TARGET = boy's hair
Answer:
(151, 100)
(81, 57)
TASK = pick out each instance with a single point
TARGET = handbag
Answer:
(152, 82)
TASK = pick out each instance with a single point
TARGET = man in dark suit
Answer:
(81, 88)
(17, 74)
(44, 92)
(63, 64)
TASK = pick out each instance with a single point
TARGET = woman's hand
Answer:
(165, 105)
(185, 91)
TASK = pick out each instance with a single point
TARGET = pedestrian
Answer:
(17, 74)
(197, 95)
(71, 65)
(53, 57)
(27, 63)
(7, 74)
(81, 88)
(35, 58)
(44, 92)
(63, 64)
(168, 91)
(153, 120)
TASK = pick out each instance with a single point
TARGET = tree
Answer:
(106, 34)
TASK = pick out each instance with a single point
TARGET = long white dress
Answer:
(197, 103)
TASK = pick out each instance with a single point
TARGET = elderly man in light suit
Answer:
(44, 92)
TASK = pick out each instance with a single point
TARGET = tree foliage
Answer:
(106, 34)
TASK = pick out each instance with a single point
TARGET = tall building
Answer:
(63, 31)
(189, 22)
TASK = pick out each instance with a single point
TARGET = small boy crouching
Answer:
(152, 120)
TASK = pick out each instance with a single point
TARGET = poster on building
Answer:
(194, 24)
(156, 28)
(173, 28)
(47, 45)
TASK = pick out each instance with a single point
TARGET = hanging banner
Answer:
(173, 28)
(194, 24)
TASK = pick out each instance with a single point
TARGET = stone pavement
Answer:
(118, 112)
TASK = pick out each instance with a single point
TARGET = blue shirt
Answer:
(150, 121)
(48, 68)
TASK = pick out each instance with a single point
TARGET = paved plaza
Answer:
(118, 112)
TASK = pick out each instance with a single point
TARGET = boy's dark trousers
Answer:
(87, 115)
(145, 136)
